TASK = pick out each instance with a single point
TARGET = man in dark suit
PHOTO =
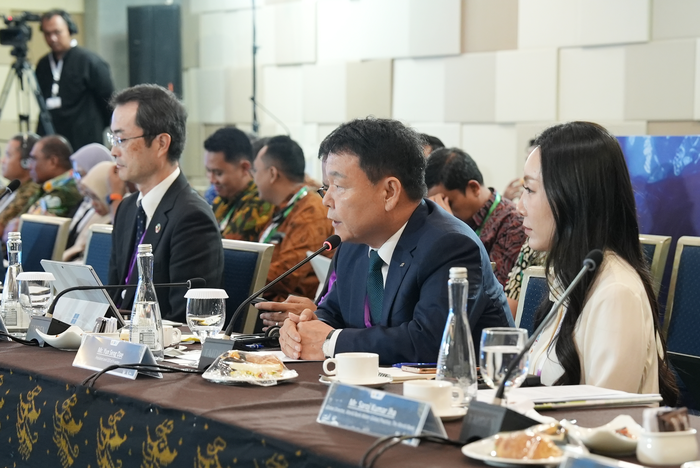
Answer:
(148, 136)
(390, 296)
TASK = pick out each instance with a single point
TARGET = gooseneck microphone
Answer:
(11, 187)
(484, 419)
(189, 284)
(329, 244)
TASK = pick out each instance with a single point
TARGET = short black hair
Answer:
(56, 145)
(287, 156)
(26, 143)
(385, 148)
(232, 142)
(159, 111)
(453, 168)
(258, 144)
(432, 141)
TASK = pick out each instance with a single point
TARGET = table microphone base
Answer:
(484, 420)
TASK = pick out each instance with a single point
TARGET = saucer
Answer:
(378, 382)
(456, 412)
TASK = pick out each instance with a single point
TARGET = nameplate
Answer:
(98, 352)
(41, 324)
(374, 412)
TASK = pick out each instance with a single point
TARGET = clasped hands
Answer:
(302, 335)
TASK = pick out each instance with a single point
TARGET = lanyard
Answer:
(280, 217)
(488, 215)
(56, 70)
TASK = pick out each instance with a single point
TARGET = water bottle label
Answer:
(147, 337)
(10, 316)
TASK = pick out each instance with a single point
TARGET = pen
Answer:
(413, 364)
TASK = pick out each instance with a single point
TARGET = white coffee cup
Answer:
(439, 393)
(171, 336)
(354, 368)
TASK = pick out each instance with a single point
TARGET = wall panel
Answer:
(674, 19)
(470, 88)
(325, 92)
(419, 90)
(489, 26)
(493, 148)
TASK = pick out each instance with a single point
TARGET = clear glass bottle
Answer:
(457, 361)
(11, 310)
(146, 324)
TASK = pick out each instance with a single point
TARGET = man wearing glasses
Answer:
(147, 137)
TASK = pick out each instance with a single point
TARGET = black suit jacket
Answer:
(416, 303)
(186, 244)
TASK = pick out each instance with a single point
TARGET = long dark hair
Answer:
(590, 193)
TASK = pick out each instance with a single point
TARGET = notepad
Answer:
(572, 396)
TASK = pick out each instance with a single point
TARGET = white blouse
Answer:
(614, 336)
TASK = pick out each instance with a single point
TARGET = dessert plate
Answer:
(605, 439)
(484, 450)
(380, 381)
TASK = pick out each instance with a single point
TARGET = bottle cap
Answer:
(458, 273)
(14, 235)
(35, 276)
(145, 248)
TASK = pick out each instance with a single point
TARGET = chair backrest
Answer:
(682, 320)
(656, 253)
(533, 291)
(43, 238)
(688, 371)
(98, 250)
(245, 271)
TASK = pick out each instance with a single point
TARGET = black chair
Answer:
(98, 250)
(656, 253)
(245, 271)
(43, 238)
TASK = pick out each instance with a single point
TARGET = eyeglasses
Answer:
(117, 141)
(322, 191)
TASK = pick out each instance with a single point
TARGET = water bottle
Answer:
(11, 310)
(146, 324)
(456, 361)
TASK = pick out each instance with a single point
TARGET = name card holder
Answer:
(38, 323)
(99, 352)
(369, 411)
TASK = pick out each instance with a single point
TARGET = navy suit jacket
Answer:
(416, 303)
(186, 244)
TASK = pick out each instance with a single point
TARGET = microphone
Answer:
(256, 103)
(484, 419)
(189, 284)
(329, 244)
(11, 187)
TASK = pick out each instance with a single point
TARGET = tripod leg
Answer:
(44, 115)
(6, 89)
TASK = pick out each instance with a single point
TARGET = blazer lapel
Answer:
(401, 260)
(160, 218)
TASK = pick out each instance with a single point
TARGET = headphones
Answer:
(72, 27)
(25, 148)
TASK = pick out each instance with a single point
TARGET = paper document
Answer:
(571, 396)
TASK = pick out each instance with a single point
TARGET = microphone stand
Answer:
(484, 419)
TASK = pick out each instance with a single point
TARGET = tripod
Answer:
(26, 80)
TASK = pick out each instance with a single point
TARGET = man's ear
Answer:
(245, 165)
(274, 174)
(473, 187)
(163, 141)
(392, 192)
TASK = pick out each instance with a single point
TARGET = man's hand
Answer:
(302, 336)
(442, 201)
(279, 311)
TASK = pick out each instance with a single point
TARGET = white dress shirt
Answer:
(152, 199)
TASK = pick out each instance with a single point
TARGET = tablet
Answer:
(80, 308)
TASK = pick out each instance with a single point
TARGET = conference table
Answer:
(48, 418)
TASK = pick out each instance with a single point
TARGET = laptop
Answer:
(80, 308)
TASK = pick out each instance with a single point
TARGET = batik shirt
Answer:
(244, 217)
(20, 201)
(58, 196)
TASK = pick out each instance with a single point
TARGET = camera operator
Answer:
(75, 82)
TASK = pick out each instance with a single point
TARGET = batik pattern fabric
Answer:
(58, 197)
(244, 217)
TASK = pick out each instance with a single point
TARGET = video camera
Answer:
(18, 32)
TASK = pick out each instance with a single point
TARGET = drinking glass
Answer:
(35, 292)
(498, 347)
(206, 311)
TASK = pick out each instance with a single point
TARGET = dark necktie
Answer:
(375, 286)
(140, 227)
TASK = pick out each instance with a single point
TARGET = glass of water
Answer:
(206, 311)
(35, 292)
(498, 347)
